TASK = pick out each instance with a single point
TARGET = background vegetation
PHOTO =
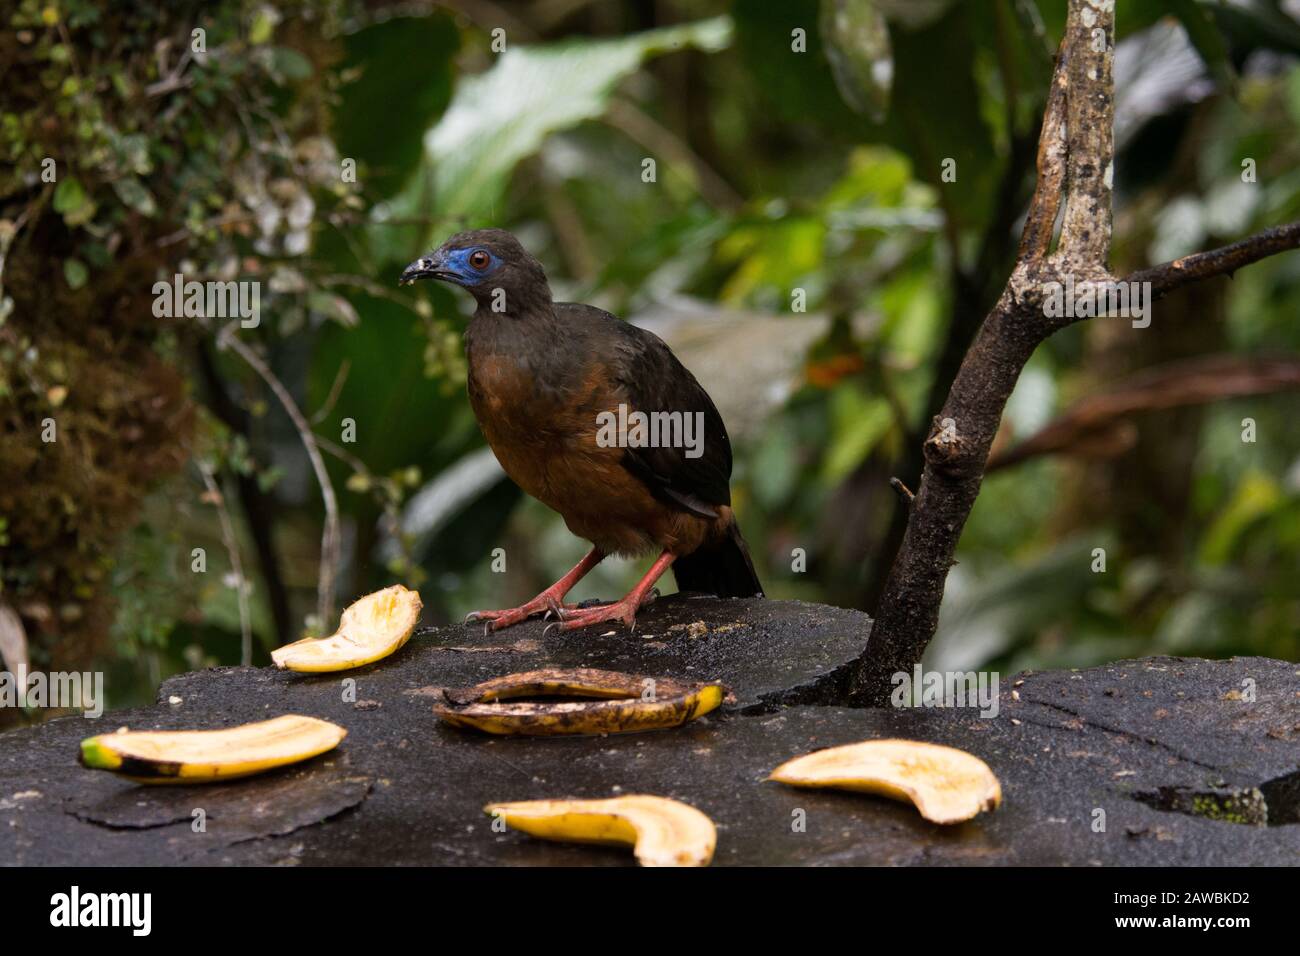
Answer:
(799, 247)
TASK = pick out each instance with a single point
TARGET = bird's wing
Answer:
(645, 374)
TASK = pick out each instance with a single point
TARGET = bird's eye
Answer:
(479, 259)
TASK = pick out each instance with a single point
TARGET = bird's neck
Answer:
(527, 302)
(537, 329)
(521, 359)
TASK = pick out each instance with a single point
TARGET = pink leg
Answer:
(549, 600)
(624, 610)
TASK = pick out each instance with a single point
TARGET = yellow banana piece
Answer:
(622, 703)
(200, 756)
(945, 784)
(662, 832)
(371, 628)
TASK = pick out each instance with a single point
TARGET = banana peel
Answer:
(662, 832)
(202, 756)
(617, 703)
(945, 784)
(371, 628)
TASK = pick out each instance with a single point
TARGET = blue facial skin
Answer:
(453, 266)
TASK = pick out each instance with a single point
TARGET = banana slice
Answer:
(200, 756)
(946, 785)
(661, 832)
(371, 628)
(625, 703)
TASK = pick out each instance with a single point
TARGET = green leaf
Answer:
(75, 271)
(263, 26)
(397, 82)
(783, 49)
(290, 65)
(1257, 496)
(935, 114)
(133, 194)
(857, 45)
(72, 203)
(858, 422)
(500, 116)
(772, 258)
(775, 470)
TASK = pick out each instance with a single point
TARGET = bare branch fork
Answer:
(1076, 164)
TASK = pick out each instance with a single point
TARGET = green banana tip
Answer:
(96, 756)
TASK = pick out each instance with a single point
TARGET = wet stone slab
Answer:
(1152, 762)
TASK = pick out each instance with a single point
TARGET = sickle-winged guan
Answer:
(551, 384)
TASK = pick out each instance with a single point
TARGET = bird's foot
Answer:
(550, 602)
(624, 611)
(545, 603)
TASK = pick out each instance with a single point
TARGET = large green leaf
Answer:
(503, 115)
(401, 416)
(398, 81)
(935, 114)
(782, 45)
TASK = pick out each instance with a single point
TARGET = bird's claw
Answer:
(623, 612)
(546, 605)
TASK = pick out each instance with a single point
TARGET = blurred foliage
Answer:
(801, 151)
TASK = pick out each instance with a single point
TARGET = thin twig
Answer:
(330, 537)
(345, 456)
(646, 131)
(340, 377)
(174, 80)
(904, 493)
(216, 222)
(236, 565)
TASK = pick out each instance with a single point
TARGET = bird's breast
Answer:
(544, 432)
(533, 423)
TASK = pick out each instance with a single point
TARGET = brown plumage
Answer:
(540, 376)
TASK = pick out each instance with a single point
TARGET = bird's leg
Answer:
(624, 610)
(549, 600)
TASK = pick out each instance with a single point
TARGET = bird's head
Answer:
(490, 264)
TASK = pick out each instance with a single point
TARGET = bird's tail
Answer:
(723, 568)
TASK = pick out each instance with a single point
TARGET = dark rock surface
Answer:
(1171, 751)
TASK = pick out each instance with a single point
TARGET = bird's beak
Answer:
(425, 268)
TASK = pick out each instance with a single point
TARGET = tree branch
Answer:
(1075, 150)
(1100, 425)
(1040, 223)
(1222, 261)
(1090, 136)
